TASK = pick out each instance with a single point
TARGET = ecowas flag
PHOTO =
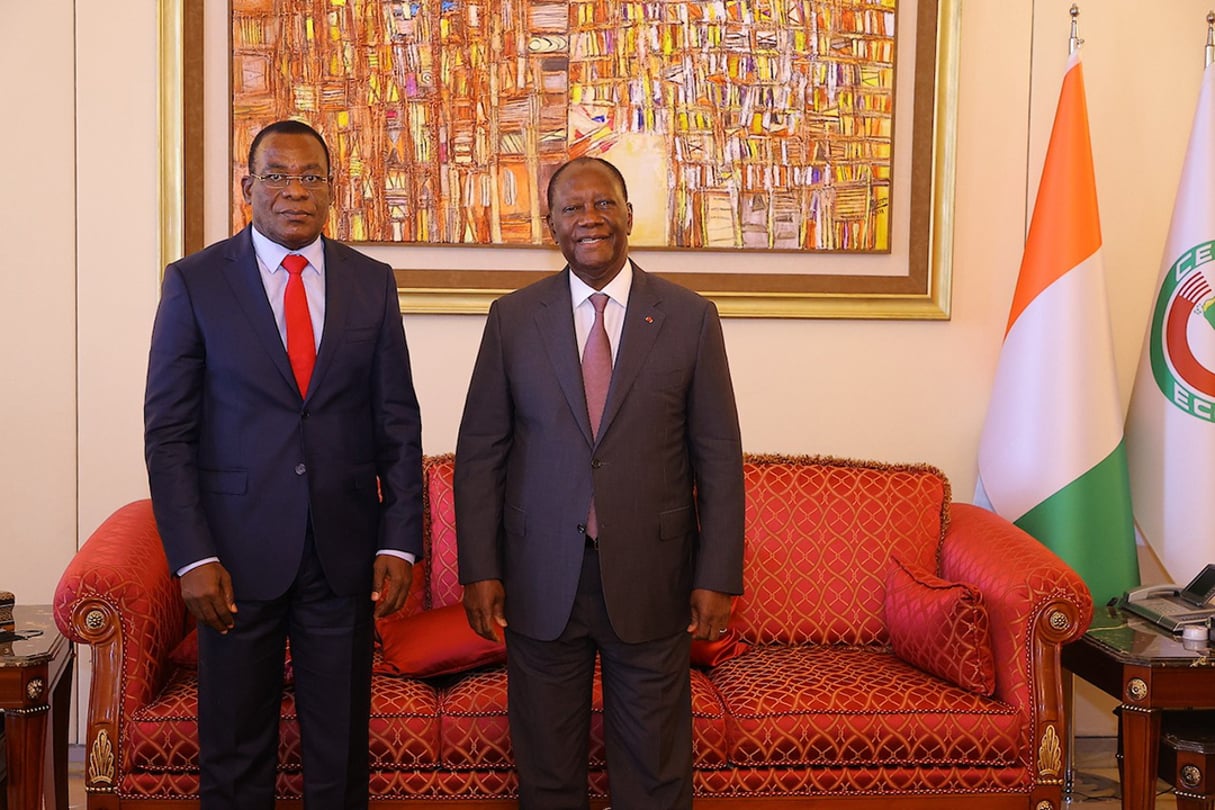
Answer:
(1051, 456)
(1171, 427)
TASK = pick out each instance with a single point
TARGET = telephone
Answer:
(1200, 590)
(1152, 592)
(1172, 606)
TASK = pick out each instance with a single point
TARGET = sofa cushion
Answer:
(476, 734)
(822, 705)
(432, 643)
(476, 730)
(405, 723)
(404, 726)
(819, 536)
(941, 627)
(164, 734)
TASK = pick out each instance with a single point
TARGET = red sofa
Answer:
(828, 702)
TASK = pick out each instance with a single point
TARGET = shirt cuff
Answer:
(404, 555)
(181, 572)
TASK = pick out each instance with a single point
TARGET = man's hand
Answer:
(485, 606)
(207, 591)
(710, 614)
(390, 583)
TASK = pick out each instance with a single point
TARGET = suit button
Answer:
(596, 464)
(304, 414)
(300, 469)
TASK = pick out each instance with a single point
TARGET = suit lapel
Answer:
(555, 322)
(642, 322)
(337, 302)
(246, 282)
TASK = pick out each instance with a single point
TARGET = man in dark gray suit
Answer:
(592, 523)
(283, 444)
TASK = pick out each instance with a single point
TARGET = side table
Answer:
(35, 685)
(1149, 671)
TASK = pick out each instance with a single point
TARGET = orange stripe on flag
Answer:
(1065, 229)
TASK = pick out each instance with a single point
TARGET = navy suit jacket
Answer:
(238, 459)
(666, 469)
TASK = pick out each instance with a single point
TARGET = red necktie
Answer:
(596, 377)
(301, 346)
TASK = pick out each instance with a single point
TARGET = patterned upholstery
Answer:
(826, 704)
(444, 580)
(818, 705)
(749, 784)
(123, 567)
(940, 627)
(819, 538)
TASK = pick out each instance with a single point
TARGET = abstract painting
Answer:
(749, 124)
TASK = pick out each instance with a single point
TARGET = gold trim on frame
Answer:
(172, 126)
(1050, 753)
(101, 760)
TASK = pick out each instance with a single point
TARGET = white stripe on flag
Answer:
(1054, 410)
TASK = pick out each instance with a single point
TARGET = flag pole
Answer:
(1210, 38)
(1069, 770)
(1074, 42)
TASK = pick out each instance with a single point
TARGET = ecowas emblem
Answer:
(1182, 340)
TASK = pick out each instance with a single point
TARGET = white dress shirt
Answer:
(270, 257)
(613, 314)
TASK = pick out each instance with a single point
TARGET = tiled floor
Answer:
(1096, 781)
(1095, 788)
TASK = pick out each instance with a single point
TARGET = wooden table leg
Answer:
(1069, 757)
(56, 767)
(1140, 750)
(26, 733)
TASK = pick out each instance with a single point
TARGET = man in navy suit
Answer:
(593, 523)
(283, 445)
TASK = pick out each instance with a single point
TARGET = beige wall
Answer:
(82, 260)
(38, 301)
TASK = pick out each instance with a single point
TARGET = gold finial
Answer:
(1210, 38)
(1074, 42)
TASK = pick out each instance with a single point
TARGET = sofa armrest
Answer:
(118, 597)
(1036, 604)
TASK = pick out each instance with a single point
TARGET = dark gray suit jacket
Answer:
(237, 459)
(669, 452)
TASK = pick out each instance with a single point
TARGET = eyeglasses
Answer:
(276, 180)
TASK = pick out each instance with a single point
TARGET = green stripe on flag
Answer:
(1088, 523)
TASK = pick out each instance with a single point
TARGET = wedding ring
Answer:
(721, 632)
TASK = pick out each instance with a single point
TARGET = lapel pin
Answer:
(649, 319)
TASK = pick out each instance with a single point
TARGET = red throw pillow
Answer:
(941, 627)
(185, 655)
(712, 653)
(433, 642)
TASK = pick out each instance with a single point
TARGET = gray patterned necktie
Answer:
(596, 377)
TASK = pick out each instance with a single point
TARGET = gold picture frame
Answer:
(912, 281)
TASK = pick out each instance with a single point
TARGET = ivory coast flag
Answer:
(1171, 427)
(1051, 456)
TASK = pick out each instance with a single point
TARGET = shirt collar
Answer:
(271, 253)
(617, 289)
